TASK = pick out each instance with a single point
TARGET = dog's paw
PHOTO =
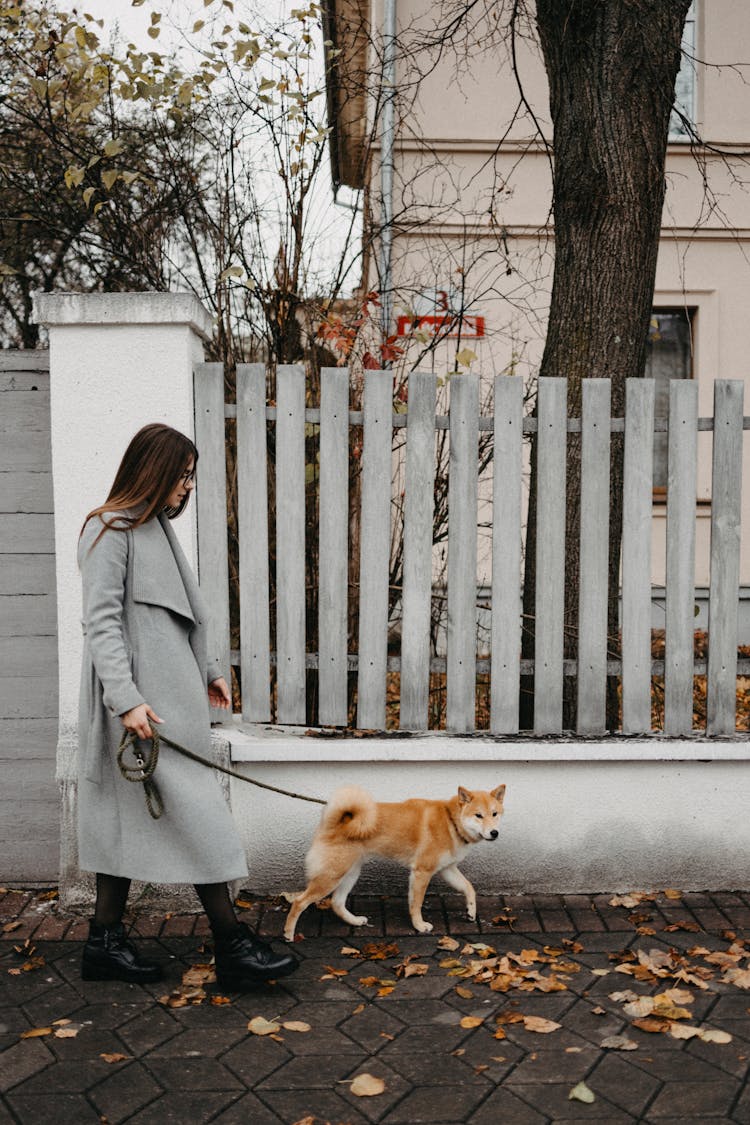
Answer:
(423, 927)
(359, 920)
(471, 915)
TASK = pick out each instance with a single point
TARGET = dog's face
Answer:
(480, 812)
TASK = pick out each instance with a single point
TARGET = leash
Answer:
(144, 767)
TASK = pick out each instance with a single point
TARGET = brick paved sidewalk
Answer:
(462, 1030)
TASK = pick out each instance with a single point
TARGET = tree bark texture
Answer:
(611, 66)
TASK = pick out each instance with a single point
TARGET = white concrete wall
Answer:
(117, 362)
(579, 816)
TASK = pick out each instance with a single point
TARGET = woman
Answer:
(145, 661)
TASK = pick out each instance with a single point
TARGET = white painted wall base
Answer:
(608, 815)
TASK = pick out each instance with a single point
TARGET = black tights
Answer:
(112, 895)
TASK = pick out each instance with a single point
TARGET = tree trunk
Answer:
(611, 68)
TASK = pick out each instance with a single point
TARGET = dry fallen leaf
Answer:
(367, 1086)
(619, 1043)
(652, 1024)
(296, 1025)
(539, 1024)
(670, 892)
(113, 1057)
(219, 1000)
(738, 977)
(471, 1021)
(199, 975)
(258, 1025)
(448, 943)
(710, 1035)
(683, 1031)
(379, 950)
(464, 993)
(581, 1093)
(66, 1032)
(10, 926)
(629, 900)
(35, 1032)
(359, 1009)
(349, 951)
(386, 990)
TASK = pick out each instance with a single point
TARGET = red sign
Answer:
(450, 326)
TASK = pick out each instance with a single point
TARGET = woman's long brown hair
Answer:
(150, 470)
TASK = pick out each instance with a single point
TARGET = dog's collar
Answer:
(461, 835)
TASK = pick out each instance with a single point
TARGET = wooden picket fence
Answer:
(372, 662)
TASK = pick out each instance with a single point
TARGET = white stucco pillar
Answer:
(117, 362)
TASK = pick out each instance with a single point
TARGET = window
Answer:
(669, 355)
(684, 89)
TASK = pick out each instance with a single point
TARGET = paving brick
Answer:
(194, 1107)
(53, 1109)
(294, 1105)
(206, 1042)
(179, 925)
(124, 1092)
(12, 903)
(624, 1084)
(78, 930)
(554, 1102)
(504, 1106)
(192, 1074)
(255, 1058)
(149, 1029)
(553, 1065)
(246, 1110)
(52, 928)
(21, 1062)
(67, 1076)
(432, 1068)
(672, 1066)
(311, 1072)
(695, 1099)
(429, 1105)
(147, 925)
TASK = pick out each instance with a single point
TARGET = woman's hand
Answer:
(218, 694)
(137, 720)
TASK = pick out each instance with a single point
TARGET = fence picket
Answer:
(550, 555)
(333, 547)
(725, 557)
(462, 554)
(680, 595)
(211, 501)
(594, 556)
(417, 592)
(637, 518)
(252, 509)
(290, 543)
(375, 542)
(506, 554)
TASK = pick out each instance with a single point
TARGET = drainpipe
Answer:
(386, 161)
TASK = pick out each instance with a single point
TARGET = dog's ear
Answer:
(464, 795)
(498, 793)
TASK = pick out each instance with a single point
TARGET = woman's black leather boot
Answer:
(108, 955)
(243, 959)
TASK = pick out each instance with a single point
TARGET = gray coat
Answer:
(145, 640)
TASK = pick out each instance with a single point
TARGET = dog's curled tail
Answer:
(351, 812)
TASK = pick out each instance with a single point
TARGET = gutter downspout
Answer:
(386, 162)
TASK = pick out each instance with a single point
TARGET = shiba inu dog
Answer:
(425, 836)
